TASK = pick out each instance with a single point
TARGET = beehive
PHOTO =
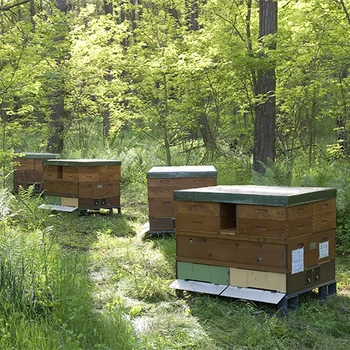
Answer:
(28, 170)
(83, 183)
(278, 239)
(162, 181)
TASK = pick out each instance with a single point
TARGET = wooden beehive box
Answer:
(271, 238)
(28, 170)
(83, 183)
(162, 181)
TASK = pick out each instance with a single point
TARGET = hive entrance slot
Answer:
(228, 219)
(59, 172)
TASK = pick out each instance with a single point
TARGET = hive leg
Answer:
(294, 303)
(332, 289)
(283, 307)
(322, 292)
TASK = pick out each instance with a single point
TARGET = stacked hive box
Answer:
(83, 183)
(269, 238)
(28, 170)
(162, 181)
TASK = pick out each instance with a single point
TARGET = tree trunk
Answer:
(192, 14)
(55, 142)
(108, 8)
(164, 122)
(265, 118)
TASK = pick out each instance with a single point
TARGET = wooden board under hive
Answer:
(28, 170)
(89, 183)
(162, 181)
(272, 238)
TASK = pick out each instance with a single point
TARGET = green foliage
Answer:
(343, 231)
(276, 174)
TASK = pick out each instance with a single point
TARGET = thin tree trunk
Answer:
(165, 122)
(57, 110)
(265, 117)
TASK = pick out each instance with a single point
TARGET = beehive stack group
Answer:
(163, 181)
(276, 239)
(272, 238)
(83, 183)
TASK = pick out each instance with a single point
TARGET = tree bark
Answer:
(265, 112)
(57, 110)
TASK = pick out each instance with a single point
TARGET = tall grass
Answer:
(45, 290)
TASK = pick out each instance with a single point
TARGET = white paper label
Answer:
(323, 249)
(297, 260)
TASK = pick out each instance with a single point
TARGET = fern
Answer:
(276, 174)
(6, 210)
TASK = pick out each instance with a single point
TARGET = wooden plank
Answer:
(90, 177)
(203, 273)
(318, 247)
(202, 223)
(71, 202)
(28, 176)
(253, 221)
(52, 173)
(299, 211)
(205, 208)
(161, 192)
(61, 188)
(313, 276)
(53, 199)
(258, 279)
(324, 222)
(160, 224)
(161, 207)
(69, 173)
(110, 169)
(182, 183)
(323, 207)
(99, 189)
(110, 173)
(230, 264)
(99, 203)
(261, 212)
(38, 164)
(224, 235)
(252, 254)
(24, 163)
(299, 227)
(261, 228)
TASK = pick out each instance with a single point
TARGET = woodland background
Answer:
(259, 89)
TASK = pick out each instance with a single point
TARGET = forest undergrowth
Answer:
(93, 282)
